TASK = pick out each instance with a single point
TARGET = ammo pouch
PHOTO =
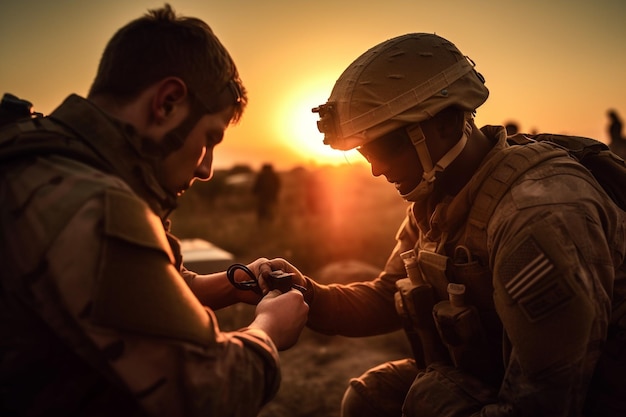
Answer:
(415, 303)
(415, 300)
(456, 336)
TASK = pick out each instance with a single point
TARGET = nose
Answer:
(204, 171)
(378, 168)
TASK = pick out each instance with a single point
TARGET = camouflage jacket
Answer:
(96, 317)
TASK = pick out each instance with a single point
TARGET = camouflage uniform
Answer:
(96, 315)
(547, 278)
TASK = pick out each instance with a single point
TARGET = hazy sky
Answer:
(551, 65)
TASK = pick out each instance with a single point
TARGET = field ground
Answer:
(315, 372)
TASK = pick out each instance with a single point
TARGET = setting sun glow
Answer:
(296, 126)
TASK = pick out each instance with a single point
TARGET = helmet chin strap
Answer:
(430, 171)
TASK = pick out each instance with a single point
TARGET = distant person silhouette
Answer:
(511, 128)
(266, 188)
(617, 141)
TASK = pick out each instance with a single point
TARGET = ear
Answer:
(450, 123)
(170, 95)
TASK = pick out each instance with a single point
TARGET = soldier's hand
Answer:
(282, 317)
(251, 297)
(279, 263)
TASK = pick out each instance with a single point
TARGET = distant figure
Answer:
(266, 188)
(511, 128)
(617, 140)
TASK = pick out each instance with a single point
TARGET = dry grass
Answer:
(354, 219)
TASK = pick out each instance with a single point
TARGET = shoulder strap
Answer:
(501, 171)
(608, 168)
(578, 146)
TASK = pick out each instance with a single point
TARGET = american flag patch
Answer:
(531, 280)
(531, 275)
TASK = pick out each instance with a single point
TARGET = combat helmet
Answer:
(401, 81)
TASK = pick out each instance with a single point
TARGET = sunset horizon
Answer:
(548, 68)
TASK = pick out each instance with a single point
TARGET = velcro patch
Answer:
(534, 283)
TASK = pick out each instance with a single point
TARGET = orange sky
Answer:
(553, 65)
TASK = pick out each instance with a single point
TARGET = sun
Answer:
(298, 127)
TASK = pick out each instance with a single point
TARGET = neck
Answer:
(131, 112)
(457, 175)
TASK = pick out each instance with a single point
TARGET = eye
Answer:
(385, 148)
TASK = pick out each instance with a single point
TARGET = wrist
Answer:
(309, 295)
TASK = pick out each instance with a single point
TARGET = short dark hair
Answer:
(161, 44)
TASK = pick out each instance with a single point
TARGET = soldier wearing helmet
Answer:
(507, 276)
(98, 314)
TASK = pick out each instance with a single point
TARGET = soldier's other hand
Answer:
(282, 317)
(280, 264)
(251, 297)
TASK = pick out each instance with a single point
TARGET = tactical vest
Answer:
(473, 343)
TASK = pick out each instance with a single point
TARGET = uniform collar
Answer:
(119, 146)
(448, 215)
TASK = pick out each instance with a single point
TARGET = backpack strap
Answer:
(579, 147)
(494, 180)
(608, 168)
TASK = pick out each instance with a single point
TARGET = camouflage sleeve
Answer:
(188, 275)
(553, 272)
(148, 329)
